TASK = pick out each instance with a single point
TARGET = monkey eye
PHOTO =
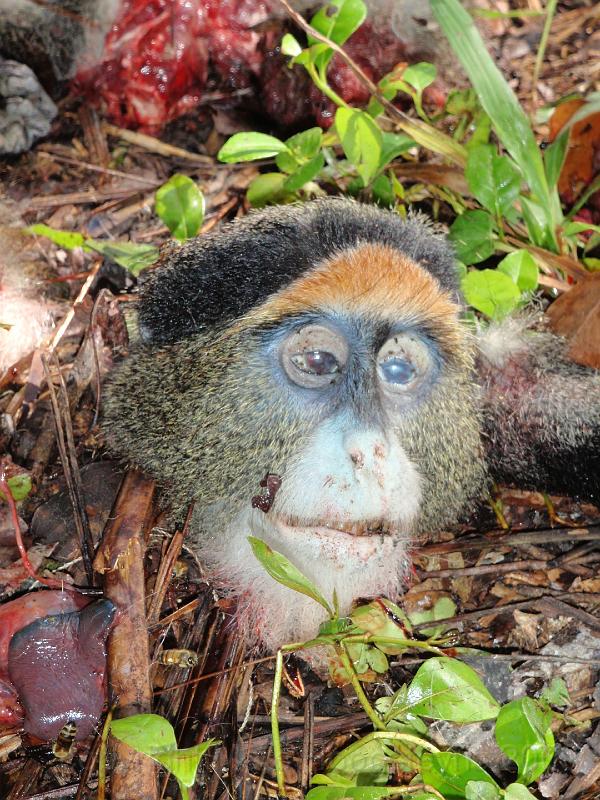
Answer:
(403, 362)
(316, 362)
(314, 356)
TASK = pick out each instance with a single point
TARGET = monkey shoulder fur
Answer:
(322, 343)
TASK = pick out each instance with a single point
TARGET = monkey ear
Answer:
(541, 412)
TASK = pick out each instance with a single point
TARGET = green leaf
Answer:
(129, 255)
(383, 192)
(305, 174)
(556, 694)
(523, 733)
(443, 608)
(249, 146)
(521, 268)
(154, 736)
(554, 157)
(393, 145)
(19, 486)
(306, 144)
(450, 773)
(360, 793)
(499, 102)
(180, 205)
(516, 791)
(535, 218)
(493, 179)
(445, 688)
(420, 75)
(386, 620)
(573, 228)
(481, 790)
(361, 141)
(67, 239)
(472, 236)
(491, 292)
(363, 763)
(339, 20)
(284, 572)
(290, 45)
(267, 188)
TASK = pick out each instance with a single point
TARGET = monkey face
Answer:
(353, 382)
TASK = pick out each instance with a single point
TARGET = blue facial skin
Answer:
(357, 387)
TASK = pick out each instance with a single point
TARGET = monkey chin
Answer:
(356, 565)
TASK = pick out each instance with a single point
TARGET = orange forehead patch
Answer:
(373, 280)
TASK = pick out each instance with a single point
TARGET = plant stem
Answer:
(277, 677)
(392, 736)
(356, 685)
(325, 87)
(389, 641)
(550, 10)
(102, 756)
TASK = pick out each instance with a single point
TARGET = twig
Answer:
(277, 755)
(154, 145)
(424, 134)
(550, 10)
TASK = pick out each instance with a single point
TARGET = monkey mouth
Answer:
(366, 528)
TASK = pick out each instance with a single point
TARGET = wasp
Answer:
(63, 745)
(178, 658)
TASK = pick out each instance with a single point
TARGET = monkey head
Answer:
(320, 343)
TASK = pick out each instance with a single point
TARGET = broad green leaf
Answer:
(361, 141)
(180, 205)
(154, 736)
(473, 236)
(392, 145)
(249, 146)
(491, 292)
(129, 255)
(523, 733)
(573, 228)
(67, 239)
(445, 688)
(556, 693)
(377, 660)
(363, 764)
(386, 620)
(383, 191)
(339, 20)
(290, 45)
(534, 215)
(493, 179)
(481, 790)
(443, 608)
(420, 75)
(521, 267)
(554, 157)
(283, 571)
(305, 144)
(362, 793)
(305, 174)
(499, 101)
(19, 486)
(267, 188)
(450, 773)
(516, 791)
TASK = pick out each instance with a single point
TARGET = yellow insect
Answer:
(178, 658)
(63, 745)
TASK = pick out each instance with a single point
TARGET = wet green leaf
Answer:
(154, 736)
(20, 487)
(337, 21)
(481, 790)
(386, 620)
(516, 791)
(491, 292)
(67, 239)
(445, 688)
(473, 236)
(493, 179)
(305, 173)
(523, 733)
(450, 773)
(420, 75)
(249, 146)
(521, 267)
(129, 255)
(283, 571)
(361, 141)
(267, 188)
(180, 205)
(290, 45)
(443, 608)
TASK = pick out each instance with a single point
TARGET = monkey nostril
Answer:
(357, 458)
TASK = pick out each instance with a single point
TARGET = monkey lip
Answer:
(378, 527)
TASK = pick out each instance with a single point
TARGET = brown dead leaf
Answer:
(579, 167)
(576, 315)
